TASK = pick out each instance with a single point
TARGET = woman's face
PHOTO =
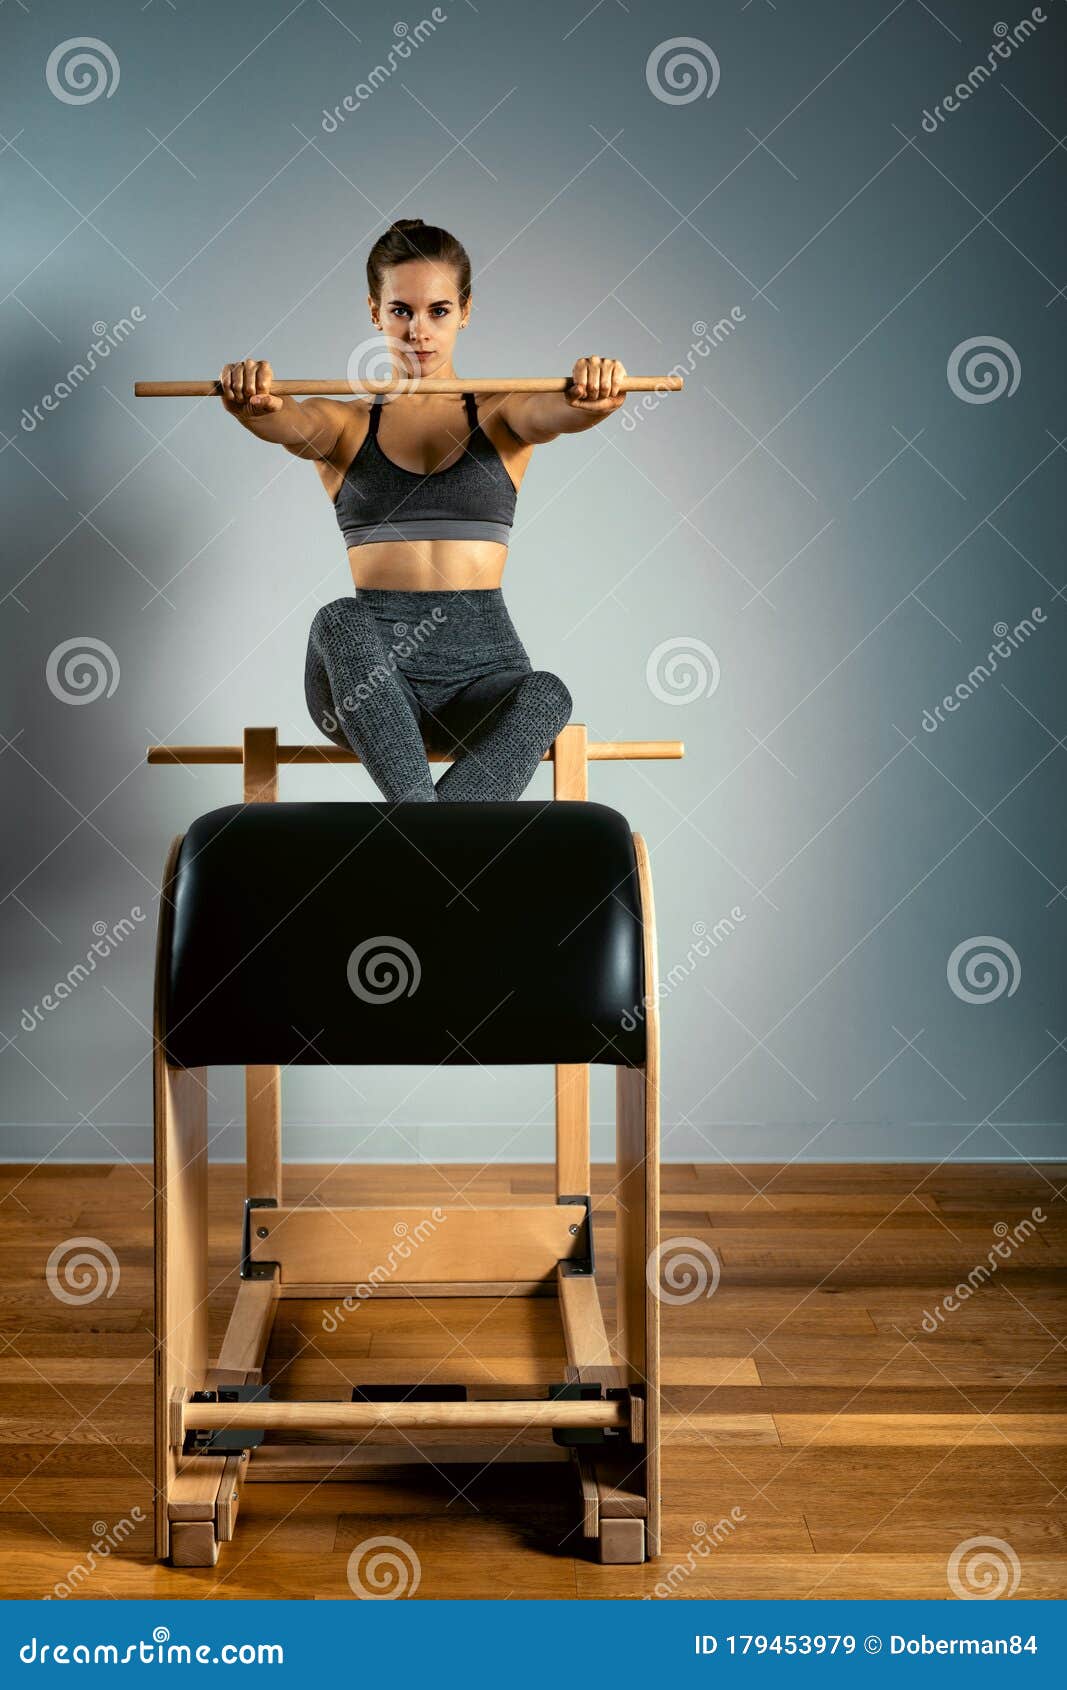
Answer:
(419, 312)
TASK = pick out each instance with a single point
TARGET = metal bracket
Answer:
(226, 1440)
(249, 1268)
(583, 1263)
(576, 1390)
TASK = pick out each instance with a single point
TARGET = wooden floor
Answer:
(818, 1442)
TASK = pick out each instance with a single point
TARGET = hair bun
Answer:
(408, 223)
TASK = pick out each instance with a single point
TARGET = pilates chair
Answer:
(526, 936)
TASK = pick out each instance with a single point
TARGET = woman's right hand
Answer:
(246, 388)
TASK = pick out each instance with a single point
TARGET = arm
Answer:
(592, 396)
(308, 428)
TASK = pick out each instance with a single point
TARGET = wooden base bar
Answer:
(366, 1416)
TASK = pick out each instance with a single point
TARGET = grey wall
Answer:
(821, 522)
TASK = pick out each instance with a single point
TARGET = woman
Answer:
(425, 656)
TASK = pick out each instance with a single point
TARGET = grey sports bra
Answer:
(473, 499)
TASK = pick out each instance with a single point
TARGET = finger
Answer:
(598, 389)
(224, 382)
(615, 370)
(581, 376)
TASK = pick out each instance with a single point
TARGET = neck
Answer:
(448, 373)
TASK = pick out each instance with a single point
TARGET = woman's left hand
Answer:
(595, 385)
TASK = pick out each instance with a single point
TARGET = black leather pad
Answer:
(405, 933)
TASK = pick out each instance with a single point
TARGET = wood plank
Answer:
(367, 1247)
(929, 1430)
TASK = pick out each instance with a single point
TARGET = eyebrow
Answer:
(433, 302)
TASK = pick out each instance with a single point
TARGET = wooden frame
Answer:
(527, 1250)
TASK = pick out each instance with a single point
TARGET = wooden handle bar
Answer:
(432, 384)
(598, 751)
(361, 1416)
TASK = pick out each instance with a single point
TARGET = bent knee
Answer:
(339, 613)
(551, 694)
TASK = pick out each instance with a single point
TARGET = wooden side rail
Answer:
(597, 751)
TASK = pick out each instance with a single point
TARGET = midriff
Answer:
(447, 566)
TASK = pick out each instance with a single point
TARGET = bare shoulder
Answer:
(347, 420)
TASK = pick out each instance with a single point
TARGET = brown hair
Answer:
(408, 238)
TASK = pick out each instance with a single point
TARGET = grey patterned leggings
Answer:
(396, 674)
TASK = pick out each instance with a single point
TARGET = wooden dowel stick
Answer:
(431, 384)
(360, 1416)
(599, 751)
